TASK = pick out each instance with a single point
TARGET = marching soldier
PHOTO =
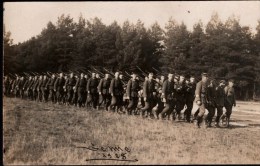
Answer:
(190, 96)
(132, 93)
(26, 86)
(167, 95)
(92, 90)
(58, 88)
(44, 88)
(39, 88)
(50, 86)
(230, 100)
(149, 94)
(116, 90)
(210, 102)
(180, 96)
(75, 91)
(103, 90)
(70, 84)
(34, 88)
(220, 99)
(200, 97)
(81, 86)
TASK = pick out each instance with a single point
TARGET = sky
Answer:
(27, 19)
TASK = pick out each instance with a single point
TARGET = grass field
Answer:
(43, 133)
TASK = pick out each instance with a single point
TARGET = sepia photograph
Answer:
(131, 83)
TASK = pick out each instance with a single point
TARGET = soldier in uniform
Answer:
(132, 93)
(75, 91)
(190, 95)
(230, 100)
(167, 95)
(210, 102)
(117, 91)
(44, 88)
(92, 90)
(39, 88)
(103, 90)
(81, 86)
(70, 84)
(149, 94)
(26, 86)
(180, 96)
(200, 97)
(50, 87)
(59, 88)
(220, 99)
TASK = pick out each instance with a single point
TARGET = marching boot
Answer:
(199, 120)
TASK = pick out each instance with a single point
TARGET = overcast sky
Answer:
(27, 19)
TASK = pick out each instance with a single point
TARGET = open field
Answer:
(43, 133)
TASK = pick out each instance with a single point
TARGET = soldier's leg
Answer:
(145, 108)
(107, 101)
(211, 113)
(219, 113)
(188, 110)
(95, 100)
(228, 114)
(165, 110)
(113, 103)
(130, 106)
(200, 114)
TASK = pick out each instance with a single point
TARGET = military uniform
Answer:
(93, 91)
(148, 93)
(50, 87)
(210, 104)
(132, 92)
(230, 101)
(190, 96)
(70, 84)
(201, 90)
(105, 96)
(58, 88)
(167, 90)
(180, 97)
(116, 90)
(44, 89)
(220, 99)
(81, 86)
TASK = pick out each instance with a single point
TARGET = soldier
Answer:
(149, 94)
(116, 90)
(132, 93)
(34, 87)
(180, 96)
(158, 98)
(167, 95)
(65, 87)
(220, 99)
(230, 100)
(59, 88)
(92, 90)
(81, 86)
(50, 87)
(39, 88)
(44, 88)
(7, 83)
(210, 102)
(103, 90)
(15, 86)
(75, 91)
(86, 92)
(19, 86)
(200, 97)
(190, 95)
(70, 84)
(26, 86)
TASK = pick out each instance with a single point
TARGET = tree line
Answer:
(223, 49)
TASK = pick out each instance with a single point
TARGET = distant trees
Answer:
(223, 49)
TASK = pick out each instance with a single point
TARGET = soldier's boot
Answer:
(228, 122)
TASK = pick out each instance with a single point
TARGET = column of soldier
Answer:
(156, 98)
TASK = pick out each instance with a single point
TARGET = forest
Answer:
(222, 49)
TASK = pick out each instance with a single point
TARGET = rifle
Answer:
(109, 71)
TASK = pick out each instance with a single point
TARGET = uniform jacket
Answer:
(220, 96)
(132, 88)
(200, 92)
(92, 85)
(148, 89)
(104, 85)
(168, 89)
(116, 87)
(230, 96)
